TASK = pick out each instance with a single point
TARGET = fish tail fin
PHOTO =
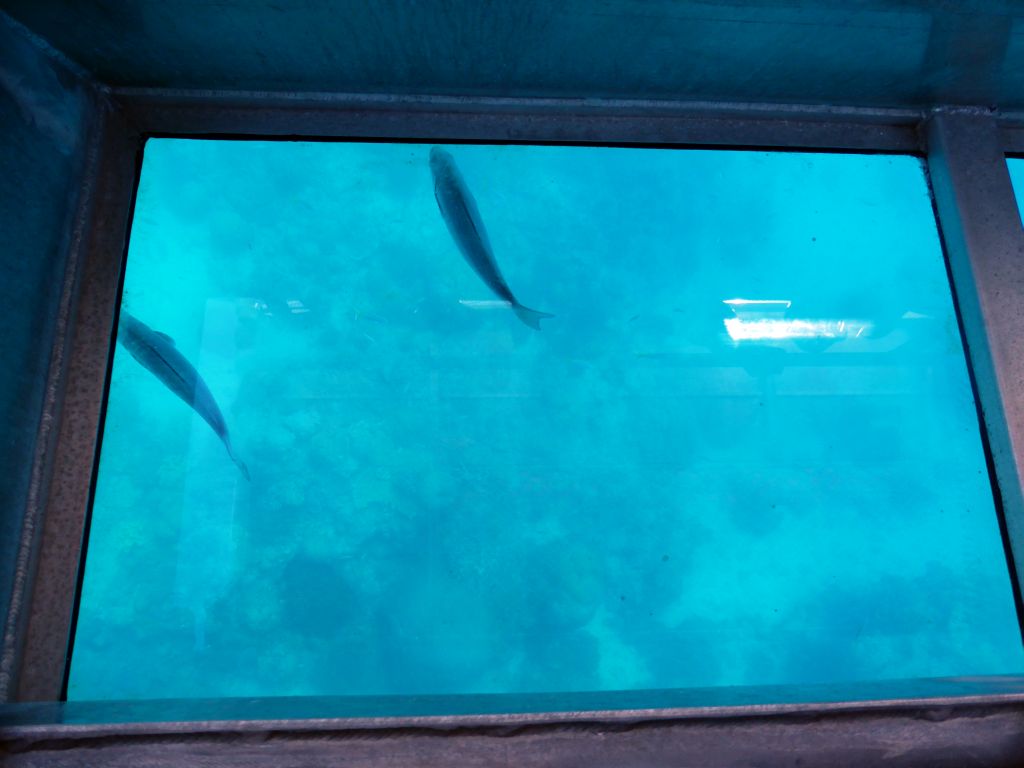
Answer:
(238, 462)
(530, 317)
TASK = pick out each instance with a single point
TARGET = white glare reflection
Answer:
(485, 303)
(746, 330)
(759, 319)
(762, 304)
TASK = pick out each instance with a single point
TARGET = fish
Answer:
(460, 214)
(157, 353)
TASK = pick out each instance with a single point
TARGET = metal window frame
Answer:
(911, 723)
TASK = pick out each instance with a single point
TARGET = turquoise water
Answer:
(743, 451)
(1016, 166)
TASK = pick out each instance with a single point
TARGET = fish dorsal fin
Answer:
(165, 337)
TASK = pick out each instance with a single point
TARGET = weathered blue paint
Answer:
(44, 117)
(869, 53)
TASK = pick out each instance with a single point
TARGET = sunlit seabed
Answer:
(744, 451)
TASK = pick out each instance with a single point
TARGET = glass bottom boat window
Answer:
(1016, 166)
(396, 419)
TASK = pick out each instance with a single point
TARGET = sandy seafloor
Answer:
(444, 500)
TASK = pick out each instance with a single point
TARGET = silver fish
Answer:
(463, 219)
(156, 352)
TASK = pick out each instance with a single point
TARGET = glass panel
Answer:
(1016, 166)
(742, 449)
